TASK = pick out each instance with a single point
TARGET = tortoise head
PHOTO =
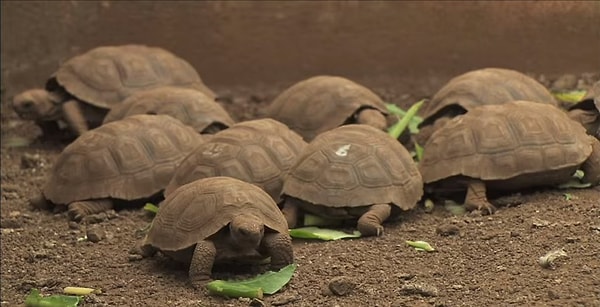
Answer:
(36, 104)
(247, 230)
(589, 119)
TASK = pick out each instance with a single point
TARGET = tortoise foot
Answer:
(80, 209)
(483, 206)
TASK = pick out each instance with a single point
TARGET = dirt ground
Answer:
(480, 260)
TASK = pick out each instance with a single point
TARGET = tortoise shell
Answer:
(190, 106)
(128, 159)
(321, 103)
(197, 210)
(484, 87)
(499, 142)
(105, 76)
(258, 151)
(352, 166)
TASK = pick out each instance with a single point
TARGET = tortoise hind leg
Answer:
(279, 247)
(591, 166)
(202, 263)
(79, 209)
(74, 117)
(290, 211)
(369, 224)
(476, 198)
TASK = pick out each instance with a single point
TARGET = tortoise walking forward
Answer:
(508, 147)
(218, 220)
(85, 87)
(130, 159)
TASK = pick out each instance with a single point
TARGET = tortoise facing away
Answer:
(126, 160)
(218, 220)
(587, 111)
(352, 172)
(321, 103)
(190, 106)
(507, 147)
(476, 88)
(85, 87)
(258, 151)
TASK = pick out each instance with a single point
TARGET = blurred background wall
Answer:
(250, 43)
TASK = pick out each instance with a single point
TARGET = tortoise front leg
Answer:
(290, 211)
(591, 166)
(372, 117)
(74, 117)
(79, 209)
(476, 198)
(202, 263)
(279, 247)
(369, 224)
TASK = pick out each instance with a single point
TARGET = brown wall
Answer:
(249, 43)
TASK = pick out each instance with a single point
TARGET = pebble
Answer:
(31, 161)
(341, 285)
(95, 234)
(420, 289)
(285, 299)
(447, 230)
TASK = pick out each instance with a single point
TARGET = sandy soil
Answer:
(480, 260)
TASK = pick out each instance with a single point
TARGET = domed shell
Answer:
(497, 142)
(105, 76)
(128, 159)
(258, 151)
(352, 166)
(321, 103)
(197, 210)
(484, 87)
(190, 106)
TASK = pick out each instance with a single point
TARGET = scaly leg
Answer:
(79, 209)
(290, 211)
(476, 198)
(369, 224)
(372, 117)
(591, 166)
(74, 117)
(279, 247)
(202, 263)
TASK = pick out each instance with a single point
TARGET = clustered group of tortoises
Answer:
(146, 125)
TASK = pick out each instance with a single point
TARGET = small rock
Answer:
(256, 303)
(341, 285)
(134, 257)
(553, 295)
(404, 276)
(447, 230)
(535, 222)
(74, 225)
(95, 234)
(572, 239)
(31, 161)
(420, 289)
(515, 234)
(285, 299)
(11, 223)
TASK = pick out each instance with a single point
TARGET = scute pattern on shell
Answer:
(355, 165)
(199, 209)
(257, 151)
(105, 76)
(127, 159)
(487, 86)
(190, 106)
(498, 142)
(321, 103)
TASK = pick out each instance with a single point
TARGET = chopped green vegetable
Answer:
(419, 151)
(421, 246)
(16, 141)
(454, 207)
(408, 119)
(267, 283)
(321, 233)
(429, 205)
(34, 299)
(151, 208)
(315, 220)
(571, 96)
(574, 184)
(568, 196)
